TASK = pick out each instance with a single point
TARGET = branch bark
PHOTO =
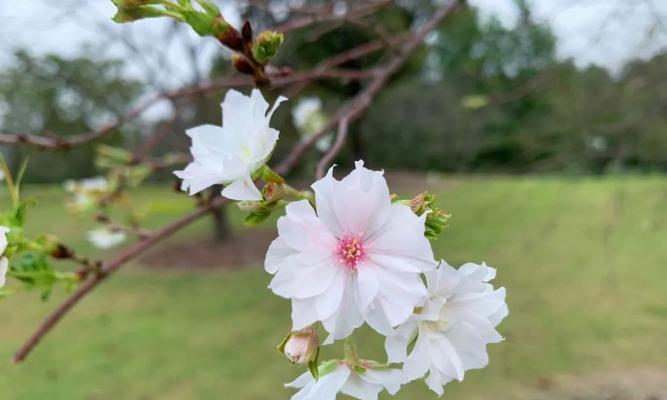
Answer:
(106, 270)
(355, 107)
(346, 114)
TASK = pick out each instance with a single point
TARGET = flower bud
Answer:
(421, 203)
(272, 192)
(242, 65)
(301, 347)
(246, 32)
(226, 34)
(266, 46)
(249, 205)
(436, 222)
(436, 219)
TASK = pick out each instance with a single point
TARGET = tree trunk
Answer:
(222, 230)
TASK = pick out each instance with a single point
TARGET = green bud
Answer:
(266, 46)
(436, 222)
(436, 219)
(249, 205)
(133, 10)
(272, 192)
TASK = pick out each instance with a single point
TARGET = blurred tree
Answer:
(472, 65)
(69, 96)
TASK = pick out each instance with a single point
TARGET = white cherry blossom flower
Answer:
(4, 262)
(453, 328)
(4, 267)
(310, 119)
(231, 153)
(364, 385)
(304, 109)
(104, 238)
(86, 192)
(358, 258)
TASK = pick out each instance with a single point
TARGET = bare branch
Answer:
(355, 107)
(335, 149)
(349, 112)
(109, 268)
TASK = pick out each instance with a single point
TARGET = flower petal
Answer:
(401, 244)
(302, 230)
(361, 201)
(323, 189)
(277, 253)
(360, 388)
(366, 285)
(298, 280)
(242, 189)
(346, 319)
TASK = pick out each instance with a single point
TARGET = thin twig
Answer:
(106, 270)
(335, 149)
(346, 114)
(355, 107)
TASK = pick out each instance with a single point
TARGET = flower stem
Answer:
(299, 194)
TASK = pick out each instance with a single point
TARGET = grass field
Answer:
(584, 262)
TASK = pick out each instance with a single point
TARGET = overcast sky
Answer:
(601, 32)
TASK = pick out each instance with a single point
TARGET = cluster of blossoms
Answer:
(350, 254)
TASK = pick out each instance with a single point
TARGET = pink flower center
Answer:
(350, 251)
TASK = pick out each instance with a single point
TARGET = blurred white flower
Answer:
(3, 239)
(4, 267)
(360, 385)
(4, 262)
(230, 154)
(309, 119)
(453, 328)
(104, 238)
(306, 107)
(358, 259)
(86, 192)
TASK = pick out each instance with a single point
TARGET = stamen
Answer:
(351, 251)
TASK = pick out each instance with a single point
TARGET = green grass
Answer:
(584, 263)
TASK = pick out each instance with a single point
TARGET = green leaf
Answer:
(313, 365)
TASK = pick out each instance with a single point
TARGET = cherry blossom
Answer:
(104, 238)
(356, 258)
(231, 153)
(363, 384)
(453, 328)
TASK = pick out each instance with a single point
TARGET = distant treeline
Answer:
(478, 98)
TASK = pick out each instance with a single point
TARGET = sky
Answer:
(607, 33)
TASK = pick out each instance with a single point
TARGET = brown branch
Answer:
(66, 143)
(335, 149)
(349, 112)
(163, 130)
(355, 107)
(106, 270)
(327, 15)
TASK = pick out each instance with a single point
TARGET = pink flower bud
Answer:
(301, 346)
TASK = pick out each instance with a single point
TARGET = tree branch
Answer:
(356, 106)
(346, 114)
(109, 268)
